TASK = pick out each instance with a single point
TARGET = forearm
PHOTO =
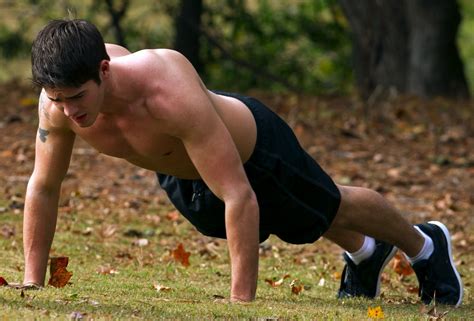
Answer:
(242, 228)
(39, 225)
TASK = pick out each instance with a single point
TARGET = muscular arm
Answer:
(209, 144)
(52, 155)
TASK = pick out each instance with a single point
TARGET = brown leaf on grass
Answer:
(274, 283)
(296, 286)
(108, 231)
(400, 265)
(7, 231)
(180, 255)
(77, 315)
(107, 270)
(432, 312)
(141, 242)
(173, 216)
(161, 288)
(60, 276)
(3, 281)
(210, 250)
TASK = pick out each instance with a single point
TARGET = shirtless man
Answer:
(231, 166)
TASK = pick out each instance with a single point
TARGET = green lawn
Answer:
(195, 291)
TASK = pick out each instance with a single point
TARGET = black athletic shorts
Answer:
(297, 199)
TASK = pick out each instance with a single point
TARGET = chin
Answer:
(85, 124)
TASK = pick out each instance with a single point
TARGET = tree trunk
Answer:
(408, 45)
(188, 24)
(435, 65)
(115, 18)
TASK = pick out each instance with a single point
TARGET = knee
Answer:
(353, 200)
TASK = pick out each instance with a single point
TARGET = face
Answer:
(80, 104)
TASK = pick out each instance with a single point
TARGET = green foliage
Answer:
(299, 44)
(264, 44)
(466, 38)
(12, 43)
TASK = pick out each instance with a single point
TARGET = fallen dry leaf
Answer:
(173, 216)
(60, 276)
(274, 283)
(77, 315)
(108, 231)
(375, 313)
(3, 281)
(106, 270)
(7, 231)
(412, 289)
(322, 282)
(296, 286)
(141, 242)
(161, 288)
(180, 255)
(433, 313)
(400, 265)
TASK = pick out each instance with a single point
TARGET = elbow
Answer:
(244, 199)
(37, 186)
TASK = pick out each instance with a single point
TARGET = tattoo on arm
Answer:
(42, 108)
(42, 134)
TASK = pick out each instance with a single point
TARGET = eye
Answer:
(77, 97)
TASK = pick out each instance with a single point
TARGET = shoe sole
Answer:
(448, 239)
(385, 262)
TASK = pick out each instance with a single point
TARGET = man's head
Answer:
(67, 53)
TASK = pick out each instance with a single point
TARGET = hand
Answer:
(234, 299)
(25, 286)
(222, 300)
(30, 286)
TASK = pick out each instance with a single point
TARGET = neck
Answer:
(117, 94)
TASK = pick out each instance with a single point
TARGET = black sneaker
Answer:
(363, 280)
(439, 280)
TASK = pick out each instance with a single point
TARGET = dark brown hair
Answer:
(67, 53)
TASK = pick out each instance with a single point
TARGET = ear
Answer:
(104, 68)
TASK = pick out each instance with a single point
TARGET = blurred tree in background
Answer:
(302, 46)
(409, 45)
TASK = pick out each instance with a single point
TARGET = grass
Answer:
(131, 294)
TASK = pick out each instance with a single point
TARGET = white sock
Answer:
(366, 251)
(425, 251)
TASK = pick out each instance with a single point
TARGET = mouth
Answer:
(79, 119)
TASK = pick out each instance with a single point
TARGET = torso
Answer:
(135, 138)
(134, 135)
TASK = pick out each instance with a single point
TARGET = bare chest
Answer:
(139, 141)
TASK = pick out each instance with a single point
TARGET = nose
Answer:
(68, 109)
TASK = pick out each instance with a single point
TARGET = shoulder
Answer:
(50, 116)
(165, 61)
(172, 81)
(115, 51)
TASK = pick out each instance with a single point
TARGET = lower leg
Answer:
(349, 240)
(366, 212)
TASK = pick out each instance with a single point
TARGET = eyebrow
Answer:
(70, 97)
